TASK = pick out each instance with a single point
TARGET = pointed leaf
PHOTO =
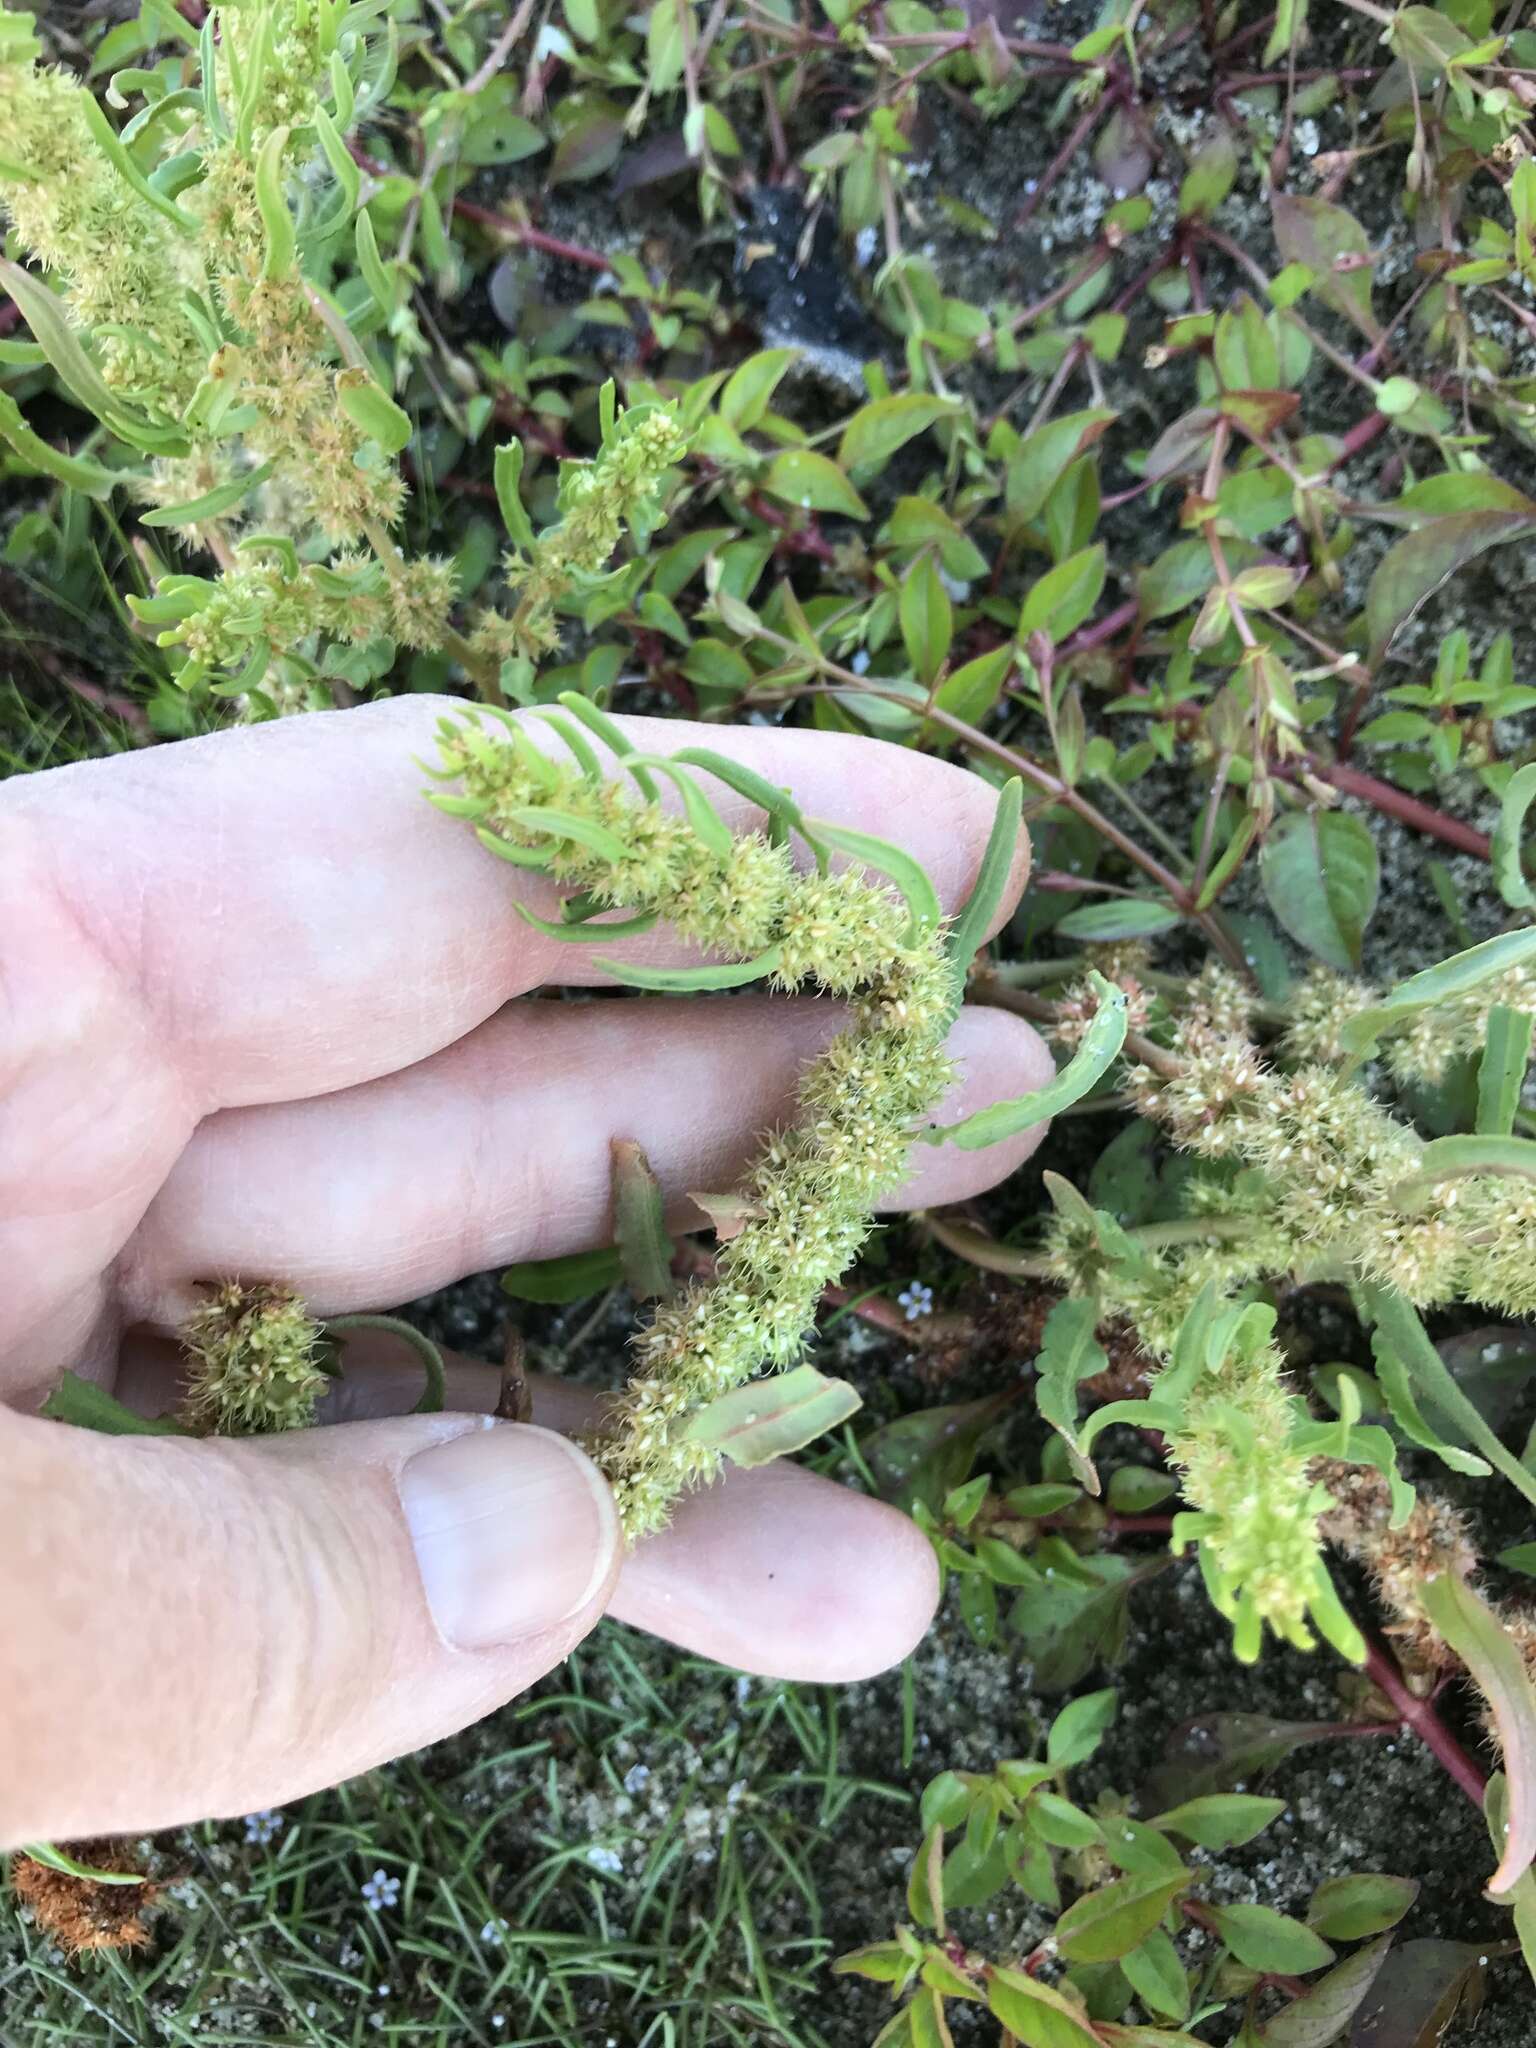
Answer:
(1099, 1049)
(772, 1417)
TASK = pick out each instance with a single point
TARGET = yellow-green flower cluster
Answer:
(253, 1358)
(809, 1198)
(1255, 1507)
(123, 264)
(622, 487)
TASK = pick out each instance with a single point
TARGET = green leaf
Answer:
(1332, 245)
(1036, 2015)
(927, 618)
(925, 1882)
(1400, 1337)
(105, 136)
(212, 504)
(507, 470)
(1321, 875)
(909, 875)
(75, 471)
(1521, 1896)
(1108, 1923)
(968, 934)
(1044, 457)
(1508, 861)
(1491, 1654)
(1126, 917)
(1501, 1071)
(1457, 1157)
(770, 1418)
(1361, 1904)
(640, 1225)
(750, 387)
(1069, 1354)
(572, 1277)
(1415, 567)
(799, 476)
(1081, 1726)
(89, 1406)
(1099, 1049)
(1212, 169)
(690, 980)
(1063, 1825)
(1220, 1820)
(280, 250)
(434, 1394)
(1436, 985)
(588, 932)
(1064, 596)
(56, 1859)
(372, 411)
(1269, 1941)
(1318, 2019)
(970, 691)
(886, 1962)
(1158, 1978)
(877, 430)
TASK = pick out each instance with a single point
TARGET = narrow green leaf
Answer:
(1435, 985)
(1402, 1337)
(55, 1859)
(1458, 1157)
(640, 1224)
(704, 820)
(1126, 917)
(372, 411)
(572, 1277)
(774, 1417)
(1508, 862)
(281, 249)
(690, 980)
(1501, 1071)
(1492, 1656)
(878, 429)
(212, 504)
(1035, 2014)
(968, 934)
(1092, 1060)
(584, 933)
(507, 470)
(750, 387)
(89, 1406)
(105, 136)
(909, 875)
(77, 472)
(783, 812)
(927, 618)
(586, 832)
(1069, 1354)
(612, 736)
(434, 1394)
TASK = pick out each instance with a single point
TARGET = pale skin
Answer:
(256, 1021)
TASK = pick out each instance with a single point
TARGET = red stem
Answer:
(1421, 1717)
(1397, 803)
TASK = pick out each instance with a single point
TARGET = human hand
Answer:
(252, 1025)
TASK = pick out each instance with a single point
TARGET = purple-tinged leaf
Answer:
(1415, 567)
(1420, 1989)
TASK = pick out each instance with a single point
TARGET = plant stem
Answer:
(1422, 1717)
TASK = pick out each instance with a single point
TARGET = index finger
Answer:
(295, 918)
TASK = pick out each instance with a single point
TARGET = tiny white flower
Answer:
(865, 243)
(263, 1827)
(636, 1776)
(916, 1299)
(492, 1932)
(381, 1890)
(609, 1861)
(859, 661)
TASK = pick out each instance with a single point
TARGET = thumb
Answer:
(194, 1629)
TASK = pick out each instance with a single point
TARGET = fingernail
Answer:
(514, 1530)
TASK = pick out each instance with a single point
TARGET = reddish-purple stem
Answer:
(1423, 1719)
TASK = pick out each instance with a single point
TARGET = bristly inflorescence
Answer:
(809, 1199)
(254, 1362)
